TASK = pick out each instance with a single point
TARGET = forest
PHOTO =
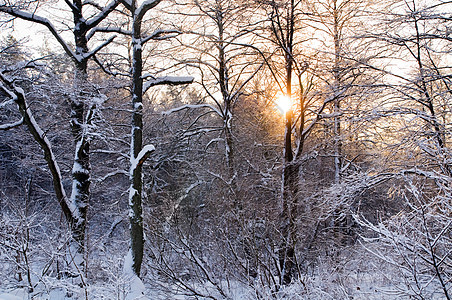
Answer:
(225, 149)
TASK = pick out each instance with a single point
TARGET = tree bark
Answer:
(290, 167)
(136, 144)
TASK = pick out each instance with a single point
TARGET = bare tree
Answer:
(22, 83)
(17, 95)
(217, 46)
(419, 86)
(83, 100)
(286, 61)
(336, 25)
(417, 107)
(139, 85)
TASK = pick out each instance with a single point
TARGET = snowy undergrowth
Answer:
(36, 262)
(354, 274)
(357, 275)
(119, 287)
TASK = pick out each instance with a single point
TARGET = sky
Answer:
(22, 30)
(35, 35)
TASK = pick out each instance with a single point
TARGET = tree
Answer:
(419, 88)
(28, 84)
(335, 25)
(138, 153)
(17, 94)
(217, 46)
(83, 99)
(415, 106)
(314, 62)
(285, 34)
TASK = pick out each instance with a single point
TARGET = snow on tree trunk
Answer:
(138, 153)
(136, 287)
(223, 81)
(18, 95)
(135, 197)
(81, 168)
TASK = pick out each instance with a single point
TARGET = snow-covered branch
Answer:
(18, 95)
(111, 174)
(192, 106)
(98, 48)
(141, 157)
(12, 125)
(161, 34)
(103, 14)
(167, 80)
(111, 29)
(145, 7)
(180, 199)
(436, 176)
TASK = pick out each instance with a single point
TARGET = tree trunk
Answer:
(290, 172)
(136, 144)
(81, 169)
(336, 91)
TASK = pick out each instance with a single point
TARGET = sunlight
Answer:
(283, 103)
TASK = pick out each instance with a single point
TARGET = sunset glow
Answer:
(283, 102)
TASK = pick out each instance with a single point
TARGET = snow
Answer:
(136, 288)
(168, 80)
(212, 141)
(146, 149)
(11, 125)
(132, 193)
(134, 162)
(340, 277)
(192, 106)
(138, 105)
(9, 296)
(227, 149)
(145, 6)
(72, 203)
(137, 47)
(77, 168)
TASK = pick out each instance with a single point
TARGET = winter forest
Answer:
(225, 149)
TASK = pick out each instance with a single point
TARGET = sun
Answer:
(283, 103)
